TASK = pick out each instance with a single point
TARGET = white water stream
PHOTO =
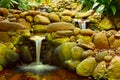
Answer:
(37, 67)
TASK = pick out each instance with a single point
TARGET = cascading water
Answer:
(81, 23)
(37, 67)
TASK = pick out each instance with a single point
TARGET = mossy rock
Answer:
(5, 37)
(60, 26)
(116, 43)
(59, 41)
(54, 17)
(85, 38)
(11, 56)
(72, 64)
(114, 69)
(63, 53)
(106, 24)
(100, 56)
(77, 52)
(3, 62)
(66, 19)
(2, 49)
(39, 28)
(100, 71)
(25, 54)
(86, 67)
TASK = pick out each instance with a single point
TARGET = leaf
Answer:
(113, 8)
(13, 1)
(95, 5)
(100, 9)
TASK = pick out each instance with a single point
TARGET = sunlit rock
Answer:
(38, 19)
(60, 26)
(86, 67)
(114, 69)
(100, 40)
(106, 24)
(39, 28)
(54, 17)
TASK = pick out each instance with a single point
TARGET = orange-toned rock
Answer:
(100, 40)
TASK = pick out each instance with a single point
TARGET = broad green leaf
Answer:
(100, 9)
(13, 1)
(113, 8)
(95, 5)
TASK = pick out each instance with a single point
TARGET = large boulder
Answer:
(63, 53)
(100, 71)
(100, 40)
(114, 69)
(86, 67)
(106, 24)
(7, 26)
(60, 26)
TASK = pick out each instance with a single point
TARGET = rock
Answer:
(60, 26)
(114, 68)
(2, 61)
(64, 32)
(24, 14)
(106, 24)
(3, 11)
(100, 71)
(77, 52)
(54, 17)
(118, 25)
(8, 26)
(25, 23)
(39, 28)
(25, 54)
(89, 45)
(83, 69)
(72, 64)
(84, 14)
(29, 18)
(11, 56)
(108, 58)
(116, 43)
(38, 19)
(63, 53)
(88, 32)
(5, 37)
(67, 13)
(66, 19)
(33, 12)
(76, 31)
(14, 11)
(85, 38)
(111, 39)
(46, 14)
(100, 55)
(87, 53)
(59, 41)
(100, 40)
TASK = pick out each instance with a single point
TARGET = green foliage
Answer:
(18, 4)
(108, 7)
(7, 3)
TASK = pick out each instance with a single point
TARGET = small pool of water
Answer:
(60, 74)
